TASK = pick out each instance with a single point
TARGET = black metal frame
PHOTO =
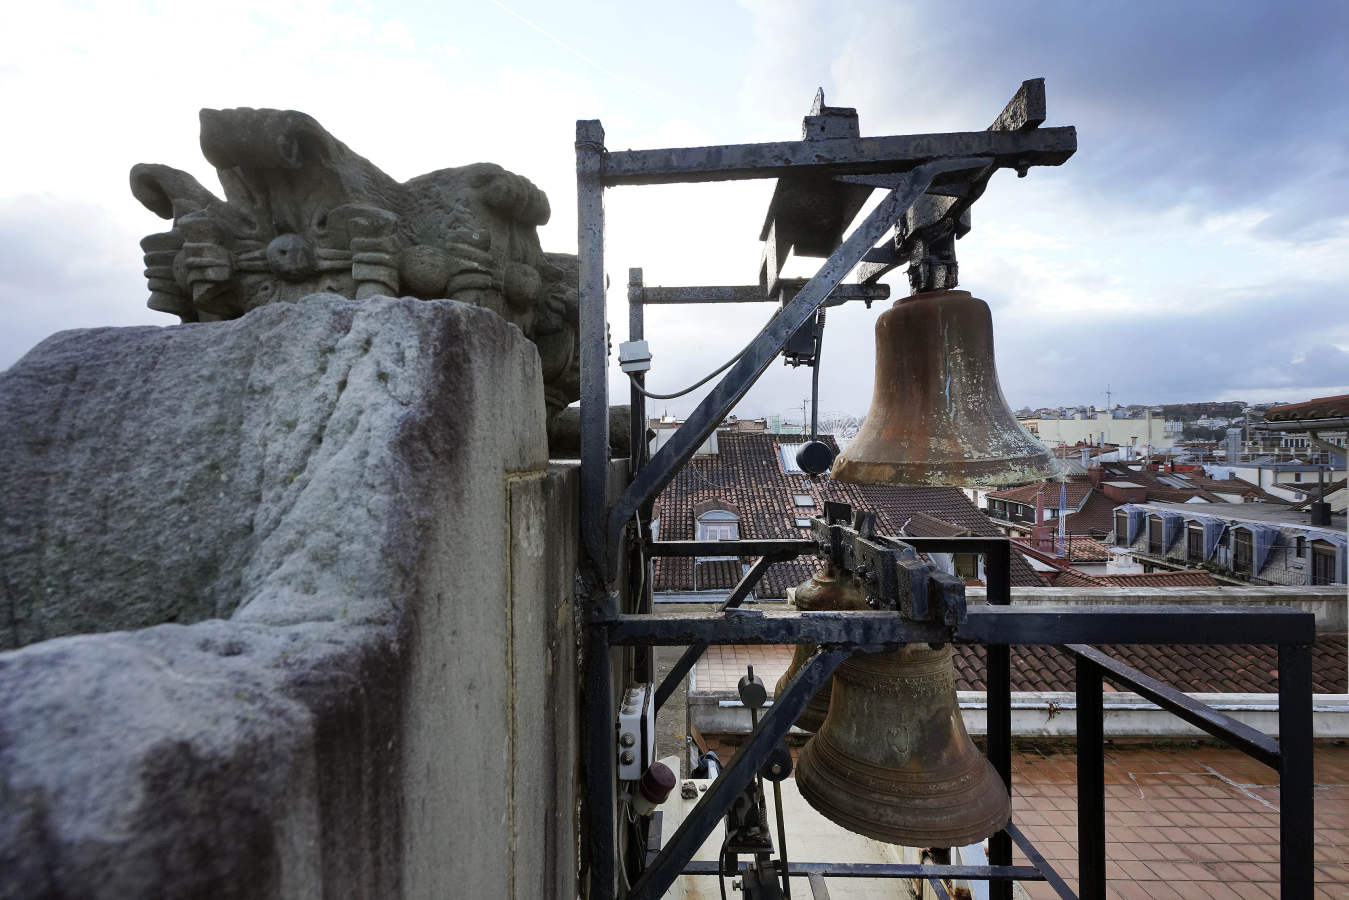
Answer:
(952, 165)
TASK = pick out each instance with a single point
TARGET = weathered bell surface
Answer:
(937, 414)
(824, 590)
(893, 760)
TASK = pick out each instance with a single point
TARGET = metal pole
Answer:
(636, 326)
(1090, 781)
(601, 779)
(998, 569)
(1297, 782)
(594, 347)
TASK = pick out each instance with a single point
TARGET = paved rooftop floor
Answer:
(1191, 821)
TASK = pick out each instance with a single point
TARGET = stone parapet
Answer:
(291, 597)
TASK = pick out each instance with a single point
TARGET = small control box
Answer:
(636, 732)
(634, 356)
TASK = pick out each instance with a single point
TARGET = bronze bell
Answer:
(893, 760)
(937, 414)
(825, 590)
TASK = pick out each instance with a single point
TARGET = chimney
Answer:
(1086, 457)
(1233, 444)
(1041, 535)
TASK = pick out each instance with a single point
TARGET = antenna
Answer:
(1108, 407)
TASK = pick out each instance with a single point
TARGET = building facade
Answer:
(1255, 543)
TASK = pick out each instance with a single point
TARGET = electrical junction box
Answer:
(636, 732)
(634, 356)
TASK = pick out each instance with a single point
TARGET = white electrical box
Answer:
(636, 732)
(634, 356)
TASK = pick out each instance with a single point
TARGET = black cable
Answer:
(815, 379)
(721, 866)
(632, 377)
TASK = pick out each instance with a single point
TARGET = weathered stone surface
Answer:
(304, 214)
(358, 487)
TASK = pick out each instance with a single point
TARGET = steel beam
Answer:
(997, 571)
(886, 870)
(1047, 871)
(1297, 782)
(992, 625)
(1255, 744)
(837, 156)
(765, 348)
(754, 293)
(594, 345)
(705, 816)
(864, 630)
(1135, 625)
(1090, 780)
(601, 785)
(637, 400)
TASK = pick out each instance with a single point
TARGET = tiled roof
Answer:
(1316, 408)
(1076, 549)
(1096, 517)
(1076, 491)
(920, 524)
(746, 473)
(1200, 668)
(1197, 484)
(1068, 578)
(1182, 578)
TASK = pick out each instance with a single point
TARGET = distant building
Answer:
(1104, 427)
(1257, 543)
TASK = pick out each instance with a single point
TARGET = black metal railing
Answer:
(997, 625)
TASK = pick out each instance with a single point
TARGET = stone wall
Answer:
(1329, 603)
(292, 603)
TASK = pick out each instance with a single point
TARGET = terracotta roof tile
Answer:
(1316, 408)
(1198, 669)
(1182, 578)
(746, 473)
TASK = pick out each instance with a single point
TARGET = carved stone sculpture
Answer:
(303, 214)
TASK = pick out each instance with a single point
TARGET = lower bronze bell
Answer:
(893, 760)
(937, 413)
(824, 590)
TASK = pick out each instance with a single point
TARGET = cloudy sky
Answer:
(1196, 247)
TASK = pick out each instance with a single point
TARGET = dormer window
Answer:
(713, 528)
(714, 520)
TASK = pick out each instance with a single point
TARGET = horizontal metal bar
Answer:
(861, 630)
(1248, 740)
(1135, 625)
(836, 156)
(886, 870)
(754, 293)
(690, 657)
(1041, 864)
(778, 548)
(982, 625)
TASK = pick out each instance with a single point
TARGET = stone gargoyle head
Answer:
(303, 214)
